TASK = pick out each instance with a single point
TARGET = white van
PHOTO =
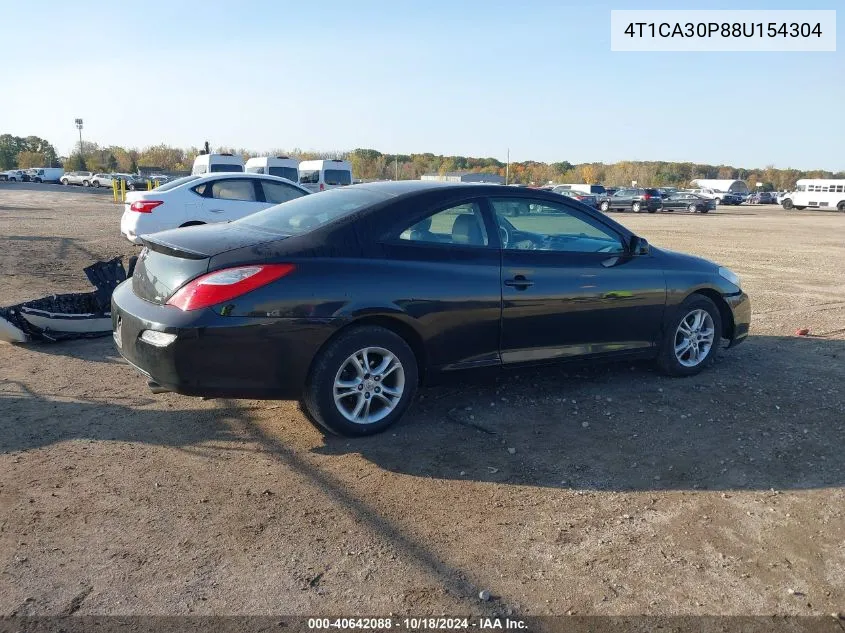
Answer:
(212, 163)
(320, 175)
(281, 166)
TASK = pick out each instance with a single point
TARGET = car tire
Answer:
(635, 207)
(339, 370)
(718, 201)
(86, 183)
(799, 208)
(131, 187)
(605, 206)
(65, 182)
(787, 204)
(702, 341)
(692, 208)
(96, 184)
(13, 179)
(841, 206)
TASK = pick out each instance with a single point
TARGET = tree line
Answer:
(370, 164)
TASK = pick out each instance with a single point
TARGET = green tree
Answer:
(31, 159)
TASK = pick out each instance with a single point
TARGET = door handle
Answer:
(519, 282)
(216, 210)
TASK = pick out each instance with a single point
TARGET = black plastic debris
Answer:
(66, 316)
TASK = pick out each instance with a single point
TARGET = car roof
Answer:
(217, 175)
(403, 187)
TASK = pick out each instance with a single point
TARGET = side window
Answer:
(462, 225)
(277, 193)
(233, 189)
(549, 226)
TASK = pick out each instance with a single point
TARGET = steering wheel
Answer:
(503, 233)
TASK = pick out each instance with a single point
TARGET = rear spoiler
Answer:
(173, 251)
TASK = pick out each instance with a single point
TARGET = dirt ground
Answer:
(583, 490)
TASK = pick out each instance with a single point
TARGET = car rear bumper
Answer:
(217, 356)
(740, 306)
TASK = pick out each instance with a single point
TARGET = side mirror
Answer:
(639, 246)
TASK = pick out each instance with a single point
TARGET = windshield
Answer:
(175, 183)
(309, 212)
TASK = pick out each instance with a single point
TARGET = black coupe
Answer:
(349, 299)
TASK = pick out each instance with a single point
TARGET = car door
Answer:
(447, 277)
(569, 287)
(227, 199)
(621, 199)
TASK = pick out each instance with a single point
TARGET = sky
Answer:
(468, 77)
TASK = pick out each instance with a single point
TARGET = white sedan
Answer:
(192, 200)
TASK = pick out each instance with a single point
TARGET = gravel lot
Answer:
(589, 490)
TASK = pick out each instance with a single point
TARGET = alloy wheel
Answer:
(369, 385)
(694, 338)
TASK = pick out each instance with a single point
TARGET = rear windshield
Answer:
(309, 177)
(217, 167)
(337, 177)
(652, 192)
(309, 212)
(290, 173)
(597, 189)
(175, 183)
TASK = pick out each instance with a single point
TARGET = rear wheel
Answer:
(96, 184)
(86, 183)
(692, 208)
(718, 201)
(635, 207)
(362, 382)
(605, 206)
(692, 338)
(65, 182)
(841, 206)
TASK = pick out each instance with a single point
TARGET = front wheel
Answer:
(787, 204)
(96, 184)
(65, 182)
(692, 208)
(841, 206)
(692, 338)
(635, 207)
(86, 183)
(362, 382)
(718, 201)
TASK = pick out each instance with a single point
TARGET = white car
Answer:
(192, 200)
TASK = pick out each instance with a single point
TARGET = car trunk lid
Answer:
(172, 258)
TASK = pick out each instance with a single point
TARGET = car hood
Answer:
(208, 240)
(685, 260)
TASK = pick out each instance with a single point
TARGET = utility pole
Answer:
(508, 166)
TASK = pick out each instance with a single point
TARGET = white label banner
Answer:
(723, 30)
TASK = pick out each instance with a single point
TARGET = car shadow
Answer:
(765, 417)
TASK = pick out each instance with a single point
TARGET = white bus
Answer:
(282, 166)
(816, 193)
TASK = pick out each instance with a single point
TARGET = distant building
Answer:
(733, 186)
(465, 176)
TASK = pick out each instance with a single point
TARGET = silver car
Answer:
(77, 178)
(585, 198)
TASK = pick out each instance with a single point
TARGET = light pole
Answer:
(79, 127)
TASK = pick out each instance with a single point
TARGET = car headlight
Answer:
(730, 275)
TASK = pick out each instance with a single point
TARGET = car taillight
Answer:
(226, 284)
(646, 197)
(322, 187)
(145, 206)
(580, 197)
